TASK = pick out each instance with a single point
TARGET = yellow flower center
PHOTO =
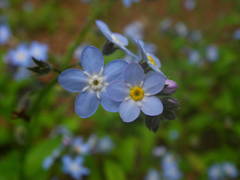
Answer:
(136, 93)
(151, 60)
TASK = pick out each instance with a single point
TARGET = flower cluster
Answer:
(72, 152)
(224, 170)
(130, 87)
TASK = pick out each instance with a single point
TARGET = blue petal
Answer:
(114, 70)
(117, 91)
(152, 106)
(92, 59)
(134, 74)
(119, 39)
(72, 80)
(104, 29)
(86, 104)
(129, 111)
(108, 104)
(154, 83)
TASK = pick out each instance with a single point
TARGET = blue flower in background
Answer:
(80, 146)
(115, 38)
(74, 167)
(165, 24)
(136, 93)
(229, 170)
(92, 82)
(49, 160)
(153, 174)
(194, 57)
(20, 56)
(190, 4)
(151, 60)
(236, 34)
(170, 168)
(105, 144)
(212, 53)
(181, 29)
(215, 172)
(39, 51)
(128, 3)
(134, 30)
(5, 34)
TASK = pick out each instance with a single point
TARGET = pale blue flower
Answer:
(92, 82)
(190, 4)
(159, 151)
(165, 24)
(153, 174)
(20, 56)
(136, 93)
(236, 34)
(115, 38)
(151, 59)
(215, 172)
(181, 29)
(230, 170)
(5, 34)
(105, 144)
(80, 147)
(74, 167)
(134, 30)
(128, 3)
(170, 168)
(194, 57)
(212, 53)
(39, 51)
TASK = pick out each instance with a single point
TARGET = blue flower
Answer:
(230, 170)
(115, 38)
(20, 56)
(92, 82)
(212, 53)
(194, 57)
(181, 29)
(190, 4)
(105, 144)
(5, 34)
(236, 34)
(80, 146)
(39, 51)
(134, 30)
(151, 59)
(165, 24)
(170, 168)
(136, 92)
(215, 172)
(128, 3)
(153, 174)
(74, 167)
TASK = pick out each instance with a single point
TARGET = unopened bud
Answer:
(170, 87)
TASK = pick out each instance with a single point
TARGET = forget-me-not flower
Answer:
(134, 30)
(80, 146)
(181, 29)
(212, 53)
(215, 172)
(236, 34)
(170, 168)
(115, 38)
(5, 34)
(230, 170)
(128, 3)
(20, 56)
(104, 144)
(92, 82)
(74, 167)
(136, 93)
(190, 4)
(153, 174)
(39, 51)
(151, 59)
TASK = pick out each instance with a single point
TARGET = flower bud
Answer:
(170, 87)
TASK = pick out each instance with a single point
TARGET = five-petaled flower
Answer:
(74, 167)
(136, 92)
(116, 39)
(92, 82)
(151, 59)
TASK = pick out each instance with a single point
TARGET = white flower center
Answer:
(96, 83)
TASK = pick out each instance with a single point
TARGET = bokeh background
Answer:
(198, 43)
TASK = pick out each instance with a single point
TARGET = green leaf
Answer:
(113, 171)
